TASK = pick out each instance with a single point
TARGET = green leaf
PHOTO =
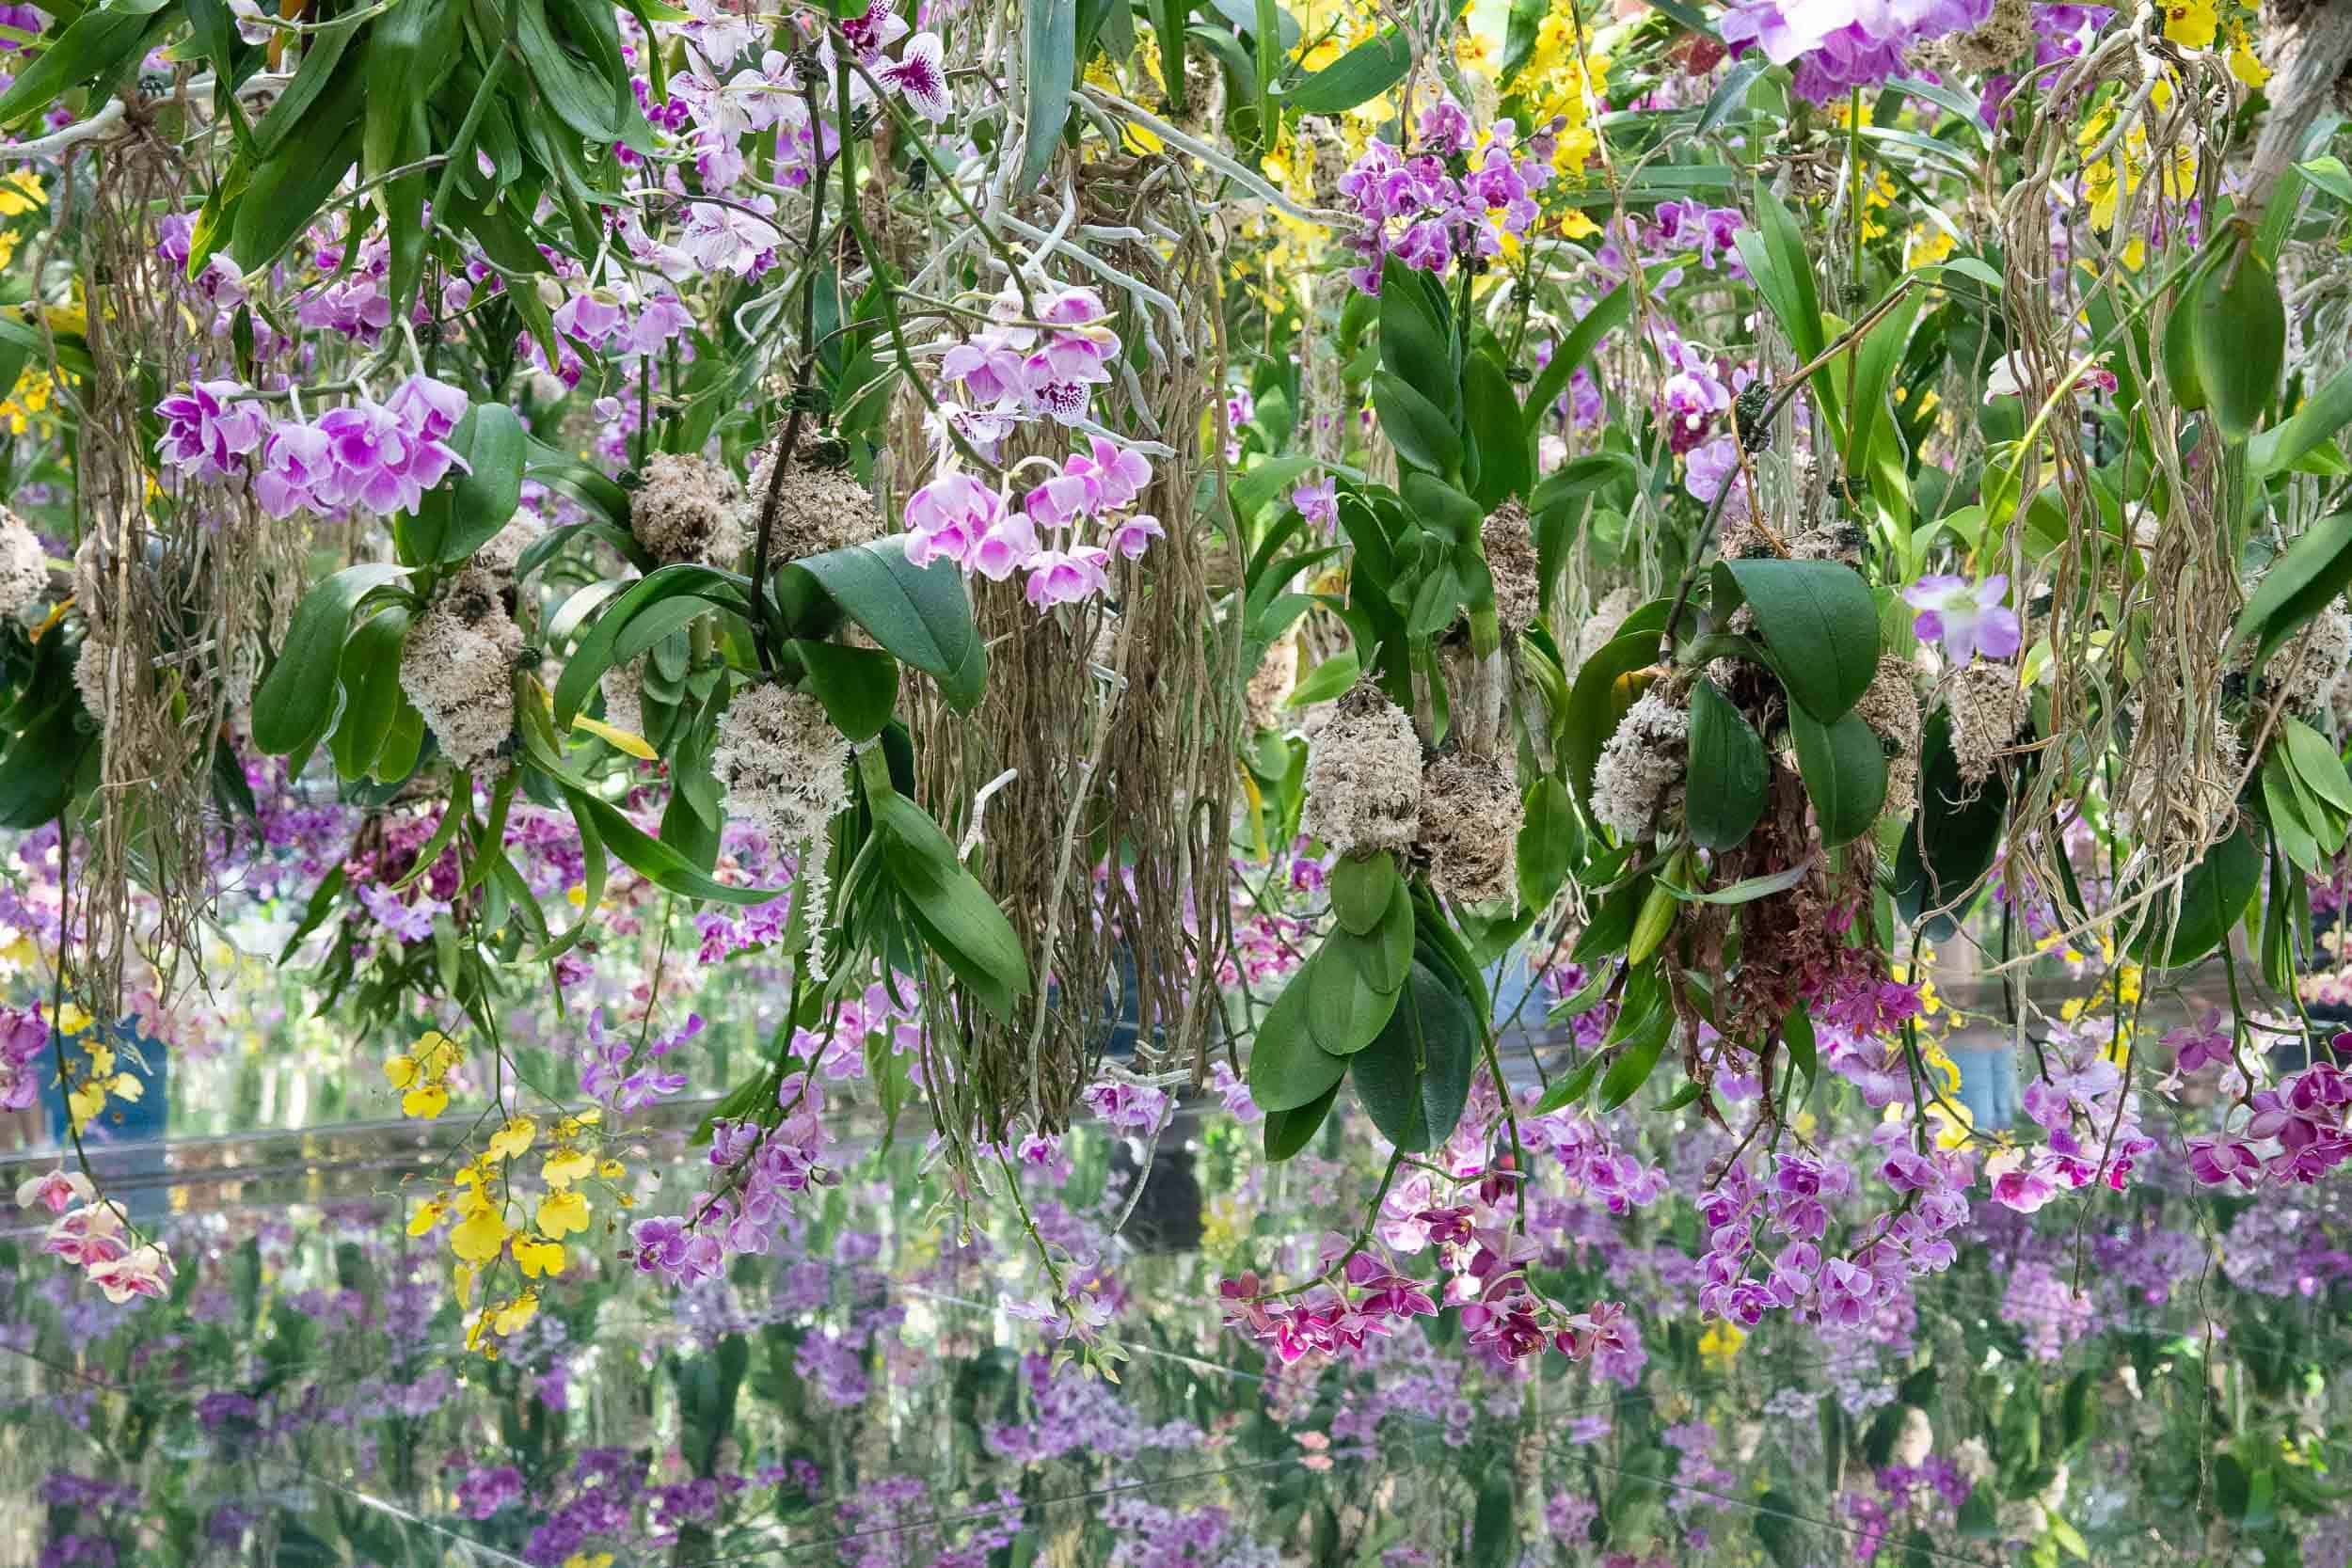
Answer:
(372, 695)
(695, 587)
(920, 613)
(1603, 695)
(1494, 1528)
(1607, 316)
(1640, 1043)
(2212, 895)
(1414, 1078)
(287, 191)
(655, 861)
(1551, 840)
(859, 686)
(581, 97)
(483, 500)
(1359, 77)
(2318, 765)
(1383, 956)
(1502, 457)
(1724, 794)
(959, 920)
(1437, 506)
(1327, 680)
(1049, 51)
(1571, 1090)
(1796, 1032)
(293, 704)
(1747, 889)
(1344, 1012)
(1950, 845)
(1274, 476)
(1415, 343)
(1844, 768)
(1287, 1132)
(1419, 431)
(1880, 357)
(1287, 1069)
(2298, 586)
(38, 769)
(1775, 256)
(97, 42)
(2240, 334)
(1820, 623)
(1362, 888)
(2325, 412)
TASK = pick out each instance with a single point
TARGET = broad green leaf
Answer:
(1419, 431)
(1723, 791)
(2298, 586)
(2240, 333)
(657, 862)
(1362, 888)
(95, 44)
(959, 920)
(1775, 253)
(1415, 345)
(1950, 845)
(2213, 896)
(38, 767)
(1049, 50)
(372, 695)
(1359, 77)
(1641, 1041)
(1820, 621)
(295, 702)
(2318, 765)
(1844, 768)
(1501, 455)
(2283, 445)
(1571, 1090)
(1344, 1013)
(694, 588)
(1287, 1132)
(1747, 889)
(1287, 1069)
(483, 498)
(1551, 842)
(920, 613)
(1572, 351)
(1414, 1078)
(859, 686)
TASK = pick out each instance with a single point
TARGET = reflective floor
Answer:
(862, 1396)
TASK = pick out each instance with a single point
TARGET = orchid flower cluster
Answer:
(958, 517)
(1442, 206)
(94, 1234)
(2295, 1134)
(756, 1172)
(366, 457)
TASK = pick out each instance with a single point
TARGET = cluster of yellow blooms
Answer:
(481, 1193)
(422, 1074)
(98, 1078)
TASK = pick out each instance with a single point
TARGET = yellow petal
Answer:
(479, 1238)
(426, 1217)
(427, 1099)
(562, 1212)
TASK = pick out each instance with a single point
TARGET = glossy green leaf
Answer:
(657, 862)
(1419, 431)
(1414, 1077)
(372, 695)
(293, 704)
(1362, 888)
(1844, 767)
(1550, 843)
(1359, 77)
(959, 920)
(2212, 895)
(1571, 1090)
(1641, 1041)
(1950, 845)
(1820, 623)
(2240, 332)
(920, 613)
(483, 498)
(1286, 1069)
(1287, 1132)
(1049, 60)
(697, 587)
(2298, 585)
(1723, 792)
(859, 686)
(1501, 455)
(1344, 1013)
